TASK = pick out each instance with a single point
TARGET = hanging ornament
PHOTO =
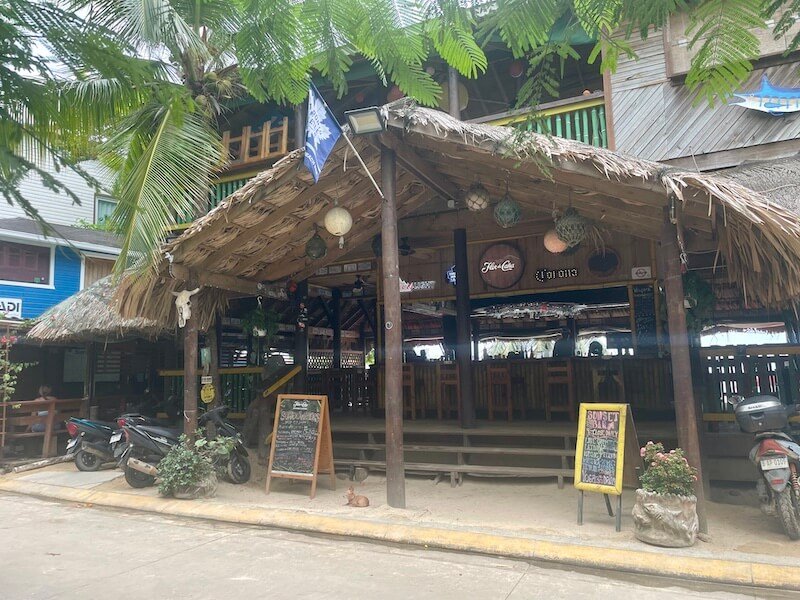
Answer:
(553, 243)
(291, 286)
(338, 222)
(572, 227)
(516, 68)
(358, 286)
(477, 197)
(507, 212)
(316, 247)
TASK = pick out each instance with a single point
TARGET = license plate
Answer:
(115, 438)
(781, 462)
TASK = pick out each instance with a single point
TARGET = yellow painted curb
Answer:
(734, 572)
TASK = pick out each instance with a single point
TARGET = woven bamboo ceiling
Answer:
(258, 234)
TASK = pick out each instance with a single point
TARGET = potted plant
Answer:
(665, 513)
(262, 323)
(189, 470)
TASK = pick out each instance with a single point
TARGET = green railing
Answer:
(238, 385)
(582, 119)
(219, 191)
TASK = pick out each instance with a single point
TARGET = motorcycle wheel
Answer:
(238, 469)
(86, 461)
(787, 512)
(137, 479)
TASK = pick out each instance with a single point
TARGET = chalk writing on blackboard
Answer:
(297, 436)
(644, 310)
(599, 459)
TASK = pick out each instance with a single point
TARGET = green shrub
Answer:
(186, 465)
(667, 472)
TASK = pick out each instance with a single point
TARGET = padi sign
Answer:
(11, 308)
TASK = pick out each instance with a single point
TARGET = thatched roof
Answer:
(258, 234)
(778, 180)
(89, 316)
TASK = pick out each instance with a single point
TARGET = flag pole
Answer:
(360, 160)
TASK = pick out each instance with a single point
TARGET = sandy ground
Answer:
(516, 507)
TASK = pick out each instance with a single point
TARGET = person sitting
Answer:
(595, 348)
(44, 394)
(565, 347)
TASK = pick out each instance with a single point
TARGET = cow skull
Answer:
(183, 305)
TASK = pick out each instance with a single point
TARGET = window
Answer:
(24, 263)
(105, 206)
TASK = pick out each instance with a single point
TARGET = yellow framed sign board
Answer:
(600, 452)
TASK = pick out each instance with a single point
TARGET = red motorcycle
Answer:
(776, 454)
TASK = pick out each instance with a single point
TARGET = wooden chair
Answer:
(448, 400)
(409, 391)
(608, 374)
(560, 383)
(500, 391)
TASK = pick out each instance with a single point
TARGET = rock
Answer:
(666, 520)
(360, 474)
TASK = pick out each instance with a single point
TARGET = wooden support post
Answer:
(213, 343)
(190, 376)
(463, 330)
(88, 379)
(452, 91)
(336, 325)
(685, 407)
(395, 466)
(300, 385)
(299, 125)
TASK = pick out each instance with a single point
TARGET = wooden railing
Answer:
(582, 119)
(258, 143)
(223, 189)
(238, 385)
(748, 370)
(38, 418)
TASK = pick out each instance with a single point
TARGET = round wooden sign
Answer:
(501, 266)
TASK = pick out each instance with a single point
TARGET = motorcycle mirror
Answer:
(734, 400)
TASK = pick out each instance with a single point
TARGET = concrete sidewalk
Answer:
(595, 545)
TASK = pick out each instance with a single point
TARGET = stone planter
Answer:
(665, 519)
(206, 488)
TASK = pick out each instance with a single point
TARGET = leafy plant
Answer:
(9, 370)
(666, 472)
(190, 463)
(265, 320)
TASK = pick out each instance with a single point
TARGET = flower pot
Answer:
(205, 488)
(665, 520)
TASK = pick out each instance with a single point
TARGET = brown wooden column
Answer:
(454, 108)
(336, 325)
(463, 330)
(393, 326)
(685, 407)
(301, 342)
(213, 336)
(88, 379)
(190, 376)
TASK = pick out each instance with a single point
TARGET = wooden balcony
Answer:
(582, 118)
(257, 143)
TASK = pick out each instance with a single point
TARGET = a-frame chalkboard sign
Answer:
(301, 440)
(607, 453)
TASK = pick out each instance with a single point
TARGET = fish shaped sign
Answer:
(770, 99)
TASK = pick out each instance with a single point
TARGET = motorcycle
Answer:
(147, 445)
(96, 442)
(776, 454)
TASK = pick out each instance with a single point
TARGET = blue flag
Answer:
(322, 133)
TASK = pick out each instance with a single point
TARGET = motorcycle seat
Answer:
(161, 431)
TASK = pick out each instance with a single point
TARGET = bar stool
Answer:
(500, 391)
(560, 376)
(409, 391)
(449, 399)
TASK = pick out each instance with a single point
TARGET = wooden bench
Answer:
(20, 417)
(457, 471)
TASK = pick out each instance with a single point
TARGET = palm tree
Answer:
(158, 114)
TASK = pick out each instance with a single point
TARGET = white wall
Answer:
(59, 208)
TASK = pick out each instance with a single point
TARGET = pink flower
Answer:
(660, 455)
(694, 477)
(653, 464)
(642, 452)
(672, 451)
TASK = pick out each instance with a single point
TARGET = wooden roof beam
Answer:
(227, 282)
(413, 162)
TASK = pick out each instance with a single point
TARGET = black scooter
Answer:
(147, 445)
(94, 442)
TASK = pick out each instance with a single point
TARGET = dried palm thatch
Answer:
(258, 234)
(89, 316)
